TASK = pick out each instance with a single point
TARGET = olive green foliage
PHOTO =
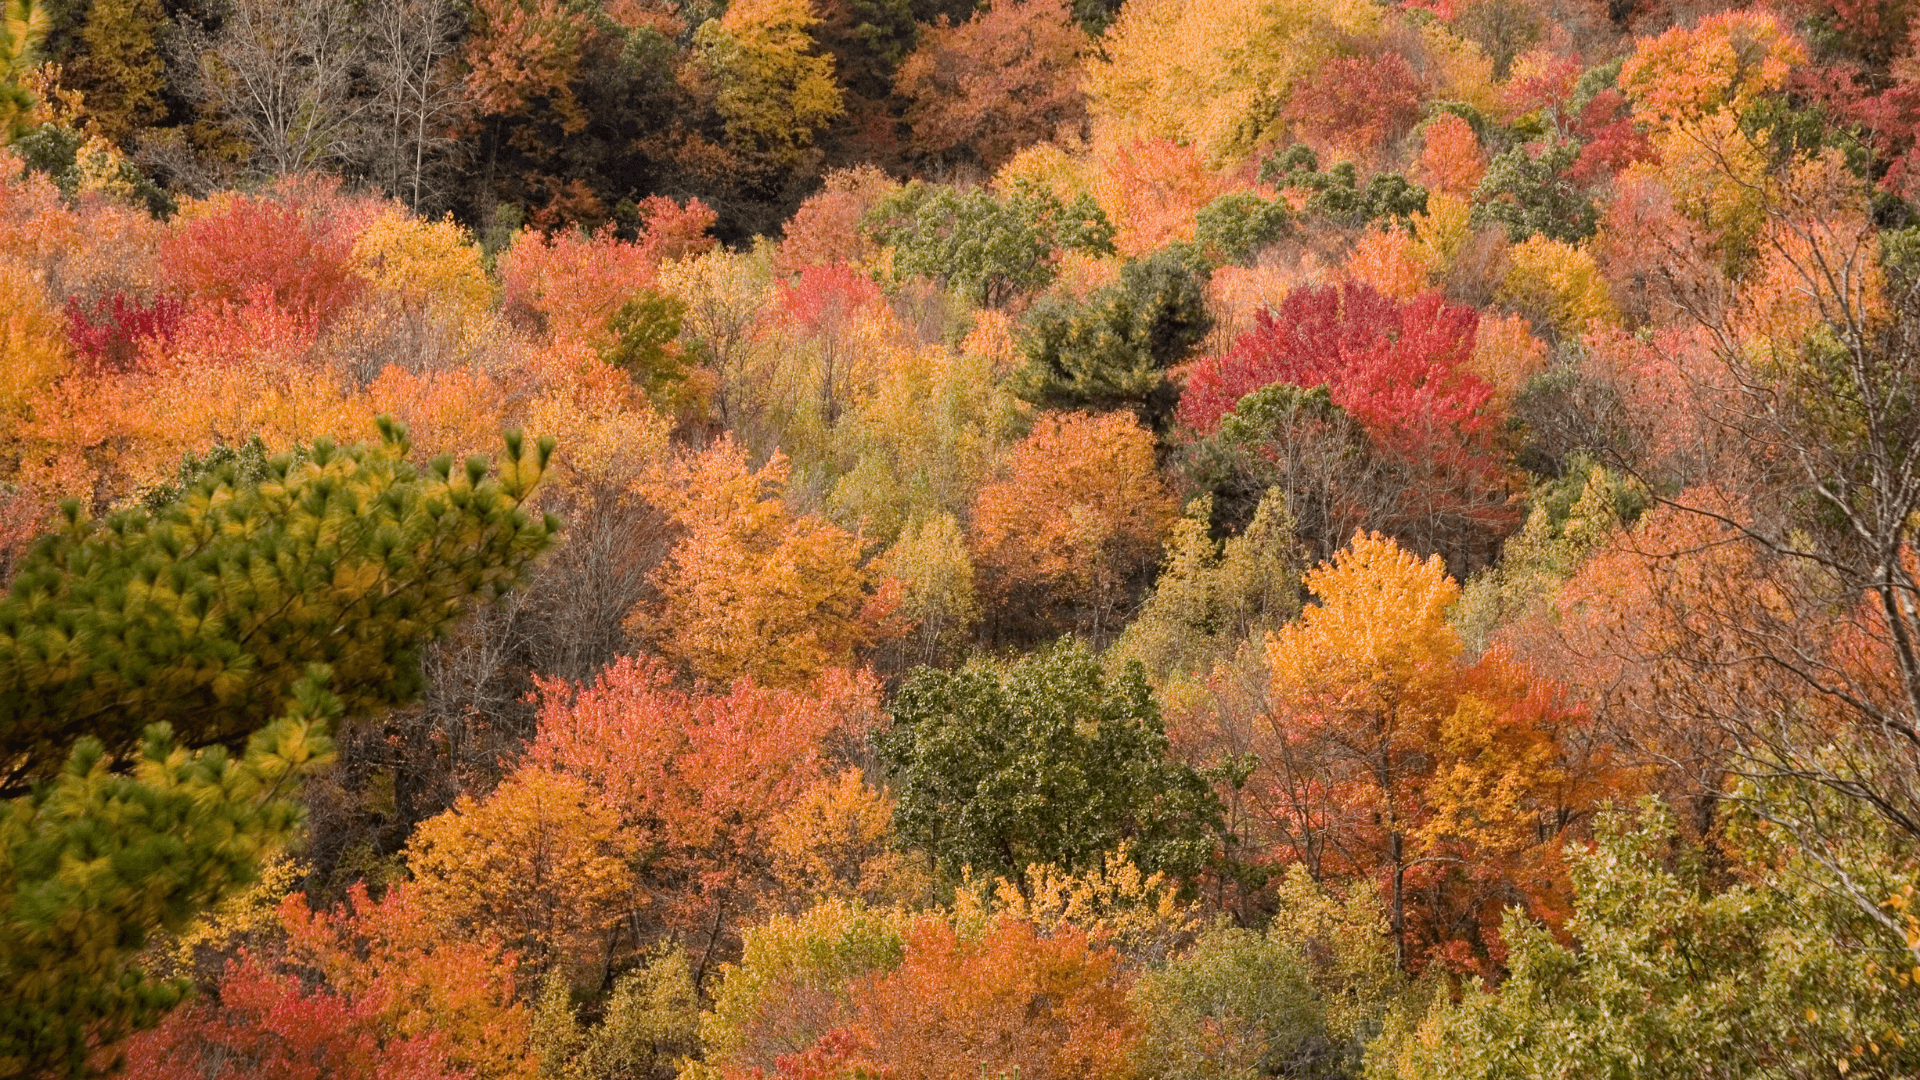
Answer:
(1530, 193)
(1238, 1006)
(105, 852)
(988, 248)
(204, 615)
(57, 150)
(121, 70)
(1236, 226)
(1114, 348)
(1212, 596)
(250, 462)
(1776, 975)
(1043, 761)
(649, 1021)
(1569, 518)
(1336, 194)
(644, 332)
(1301, 999)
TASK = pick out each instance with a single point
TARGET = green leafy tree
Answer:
(1238, 1006)
(1234, 227)
(1773, 976)
(990, 249)
(645, 331)
(1046, 761)
(23, 28)
(1114, 349)
(1336, 195)
(1530, 193)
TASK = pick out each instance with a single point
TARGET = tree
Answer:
(1114, 349)
(753, 589)
(345, 556)
(417, 100)
(93, 861)
(1387, 756)
(280, 75)
(1216, 76)
(1046, 762)
(791, 985)
(280, 1028)
(22, 31)
(1077, 518)
(395, 962)
(991, 86)
(990, 248)
(317, 584)
(1668, 977)
(772, 90)
(1007, 1002)
(1237, 1005)
(31, 333)
(702, 781)
(1213, 597)
(1357, 106)
(121, 70)
(1429, 469)
(542, 863)
(288, 250)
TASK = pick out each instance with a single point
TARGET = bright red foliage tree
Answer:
(256, 246)
(1401, 371)
(110, 335)
(265, 1023)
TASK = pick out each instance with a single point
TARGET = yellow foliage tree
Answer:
(542, 862)
(936, 574)
(430, 265)
(836, 843)
(1557, 283)
(773, 91)
(1390, 756)
(1214, 74)
(33, 337)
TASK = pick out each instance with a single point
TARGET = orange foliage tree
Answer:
(1006, 1002)
(397, 961)
(541, 863)
(265, 1023)
(1002, 80)
(570, 284)
(1076, 520)
(1382, 753)
(753, 589)
(703, 779)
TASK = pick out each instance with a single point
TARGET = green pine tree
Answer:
(305, 590)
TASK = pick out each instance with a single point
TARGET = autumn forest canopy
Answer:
(959, 539)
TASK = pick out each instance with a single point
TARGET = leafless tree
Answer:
(280, 74)
(416, 97)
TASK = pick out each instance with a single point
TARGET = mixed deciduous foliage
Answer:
(1529, 687)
